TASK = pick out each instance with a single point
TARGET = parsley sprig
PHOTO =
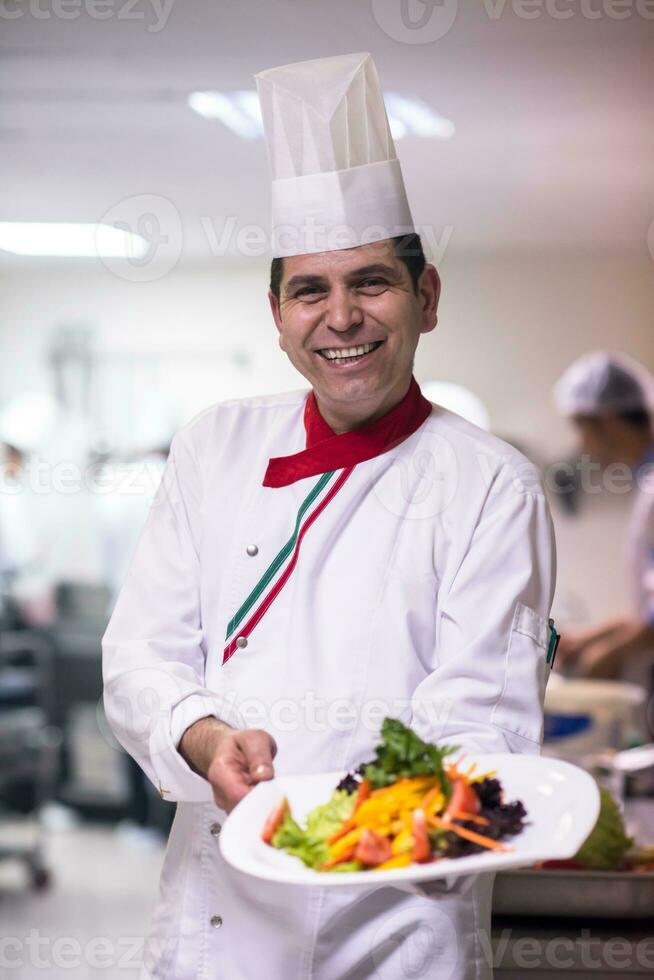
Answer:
(402, 754)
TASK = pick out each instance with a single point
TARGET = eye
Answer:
(373, 285)
(309, 293)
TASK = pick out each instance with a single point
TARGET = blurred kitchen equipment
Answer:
(586, 716)
(634, 760)
(612, 769)
(29, 747)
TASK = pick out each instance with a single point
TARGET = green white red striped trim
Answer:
(292, 549)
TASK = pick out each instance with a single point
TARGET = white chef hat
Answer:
(25, 421)
(605, 382)
(336, 179)
(458, 399)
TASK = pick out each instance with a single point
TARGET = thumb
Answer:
(259, 749)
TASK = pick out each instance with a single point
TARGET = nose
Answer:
(342, 310)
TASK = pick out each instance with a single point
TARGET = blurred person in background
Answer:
(121, 512)
(609, 399)
(27, 586)
(129, 489)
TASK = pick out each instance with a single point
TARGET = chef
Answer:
(318, 559)
(609, 398)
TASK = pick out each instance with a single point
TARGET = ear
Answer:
(429, 291)
(277, 315)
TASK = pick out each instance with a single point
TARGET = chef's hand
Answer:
(601, 661)
(232, 760)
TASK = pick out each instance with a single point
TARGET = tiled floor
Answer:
(92, 921)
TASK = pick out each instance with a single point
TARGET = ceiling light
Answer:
(417, 117)
(248, 102)
(398, 129)
(241, 113)
(233, 109)
(70, 240)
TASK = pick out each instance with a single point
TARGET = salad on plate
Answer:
(412, 803)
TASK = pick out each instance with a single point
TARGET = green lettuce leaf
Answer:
(310, 845)
(347, 866)
(290, 837)
(607, 844)
(325, 819)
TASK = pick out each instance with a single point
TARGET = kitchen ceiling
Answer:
(554, 116)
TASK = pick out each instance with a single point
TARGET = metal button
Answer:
(252, 550)
(215, 829)
(216, 921)
(241, 641)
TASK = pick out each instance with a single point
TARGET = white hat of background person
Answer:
(605, 382)
(336, 179)
(25, 421)
(458, 399)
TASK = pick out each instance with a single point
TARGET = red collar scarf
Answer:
(326, 450)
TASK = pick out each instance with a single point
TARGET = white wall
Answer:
(509, 325)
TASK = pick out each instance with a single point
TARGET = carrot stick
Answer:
(349, 840)
(470, 835)
(341, 832)
(363, 793)
(460, 815)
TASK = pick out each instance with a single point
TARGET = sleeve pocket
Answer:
(519, 708)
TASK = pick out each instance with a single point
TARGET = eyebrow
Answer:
(377, 268)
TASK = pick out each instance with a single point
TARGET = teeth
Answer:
(337, 353)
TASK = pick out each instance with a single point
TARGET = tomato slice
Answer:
(463, 798)
(372, 848)
(274, 821)
(421, 843)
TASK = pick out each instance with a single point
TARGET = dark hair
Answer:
(639, 419)
(408, 248)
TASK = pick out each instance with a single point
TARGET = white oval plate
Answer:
(562, 803)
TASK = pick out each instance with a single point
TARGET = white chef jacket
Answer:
(639, 668)
(640, 549)
(421, 589)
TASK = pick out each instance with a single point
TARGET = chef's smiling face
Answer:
(349, 321)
